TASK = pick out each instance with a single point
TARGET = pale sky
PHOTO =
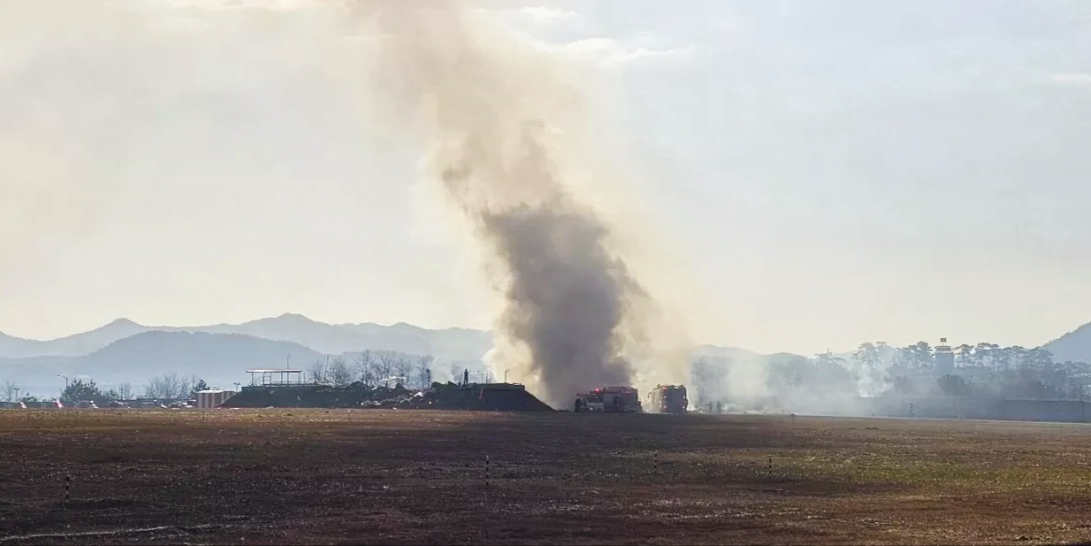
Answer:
(833, 171)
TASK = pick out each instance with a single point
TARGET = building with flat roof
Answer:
(212, 398)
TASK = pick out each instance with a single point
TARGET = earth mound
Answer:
(473, 397)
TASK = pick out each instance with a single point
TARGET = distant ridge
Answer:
(450, 343)
(1074, 346)
(124, 351)
(220, 359)
(454, 343)
(73, 345)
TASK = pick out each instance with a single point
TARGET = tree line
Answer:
(168, 386)
(984, 369)
(371, 368)
(877, 368)
(374, 368)
(921, 356)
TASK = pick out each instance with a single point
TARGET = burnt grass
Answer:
(419, 477)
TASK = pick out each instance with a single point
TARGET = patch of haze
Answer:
(507, 125)
(94, 92)
(134, 128)
(61, 148)
(821, 385)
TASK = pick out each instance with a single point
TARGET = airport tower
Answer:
(944, 358)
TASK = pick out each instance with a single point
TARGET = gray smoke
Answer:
(506, 122)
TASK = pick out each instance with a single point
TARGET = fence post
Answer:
(67, 487)
(485, 494)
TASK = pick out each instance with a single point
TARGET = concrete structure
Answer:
(212, 398)
(944, 358)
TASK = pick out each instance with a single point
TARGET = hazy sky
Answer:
(832, 171)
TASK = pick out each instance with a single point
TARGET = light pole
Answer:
(65, 380)
(505, 376)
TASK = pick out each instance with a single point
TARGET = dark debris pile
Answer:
(449, 396)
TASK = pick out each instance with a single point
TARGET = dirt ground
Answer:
(336, 476)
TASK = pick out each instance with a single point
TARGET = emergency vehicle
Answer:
(669, 399)
(610, 400)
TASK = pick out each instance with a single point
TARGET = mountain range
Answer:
(334, 339)
(124, 351)
(220, 359)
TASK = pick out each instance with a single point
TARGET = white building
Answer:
(212, 397)
(944, 358)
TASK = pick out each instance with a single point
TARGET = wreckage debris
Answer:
(449, 396)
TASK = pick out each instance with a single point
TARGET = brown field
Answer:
(318, 476)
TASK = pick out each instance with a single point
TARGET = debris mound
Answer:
(487, 397)
(449, 396)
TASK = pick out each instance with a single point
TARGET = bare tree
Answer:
(403, 368)
(424, 371)
(339, 373)
(384, 365)
(153, 388)
(167, 386)
(125, 391)
(185, 386)
(365, 367)
(318, 371)
(10, 391)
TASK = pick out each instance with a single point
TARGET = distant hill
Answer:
(220, 359)
(12, 346)
(222, 353)
(452, 343)
(1074, 346)
(74, 345)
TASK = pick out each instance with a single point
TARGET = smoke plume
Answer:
(504, 120)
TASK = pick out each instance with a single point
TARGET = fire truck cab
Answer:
(620, 400)
(611, 400)
(670, 399)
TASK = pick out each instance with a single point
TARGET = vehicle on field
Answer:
(610, 400)
(669, 399)
(588, 403)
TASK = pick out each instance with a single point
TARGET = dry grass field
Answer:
(318, 476)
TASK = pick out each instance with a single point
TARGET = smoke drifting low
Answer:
(503, 118)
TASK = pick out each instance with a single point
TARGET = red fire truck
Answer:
(670, 399)
(610, 400)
